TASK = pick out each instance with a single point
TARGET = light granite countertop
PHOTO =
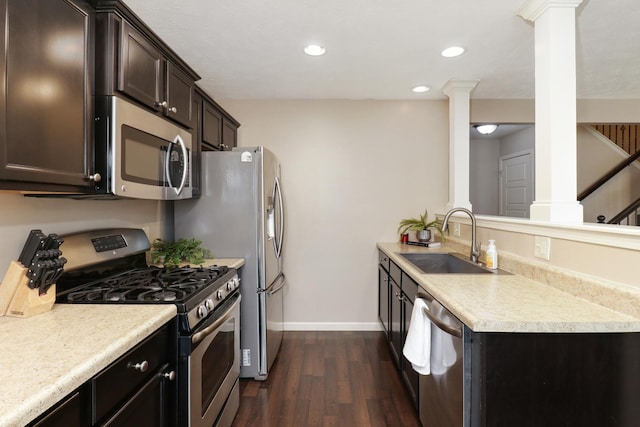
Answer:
(45, 357)
(515, 303)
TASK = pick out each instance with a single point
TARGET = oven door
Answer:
(210, 363)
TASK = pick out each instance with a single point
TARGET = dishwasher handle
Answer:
(439, 323)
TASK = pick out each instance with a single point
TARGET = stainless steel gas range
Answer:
(109, 266)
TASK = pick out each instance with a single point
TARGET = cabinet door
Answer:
(229, 134)
(125, 377)
(211, 126)
(141, 68)
(395, 321)
(46, 79)
(383, 298)
(179, 96)
(409, 375)
(148, 408)
(196, 147)
(70, 412)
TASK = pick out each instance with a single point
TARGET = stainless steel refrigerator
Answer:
(240, 214)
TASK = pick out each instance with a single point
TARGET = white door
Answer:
(516, 184)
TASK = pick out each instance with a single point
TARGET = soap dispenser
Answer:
(492, 255)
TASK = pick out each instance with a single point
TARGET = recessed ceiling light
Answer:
(453, 51)
(314, 50)
(421, 89)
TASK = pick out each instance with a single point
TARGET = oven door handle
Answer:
(199, 336)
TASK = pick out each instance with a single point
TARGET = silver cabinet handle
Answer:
(96, 177)
(161, 104)
(170, 375)
(142, 366)
(173, 110)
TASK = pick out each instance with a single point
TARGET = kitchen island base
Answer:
(523, 379)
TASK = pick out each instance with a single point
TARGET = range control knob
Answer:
(219, 295)
(231, 285)
(209, 304)
(202, 311)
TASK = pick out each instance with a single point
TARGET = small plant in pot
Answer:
(171, 254)
(421, 226)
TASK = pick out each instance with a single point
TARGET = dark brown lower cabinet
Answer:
(517, 379)
(409, 375)
(396, 292)
(580, 379)
(138, 389)
(73, 411)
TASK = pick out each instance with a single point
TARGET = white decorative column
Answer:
(459, 93)
(555, 110)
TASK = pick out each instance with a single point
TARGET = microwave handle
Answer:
(178, 140)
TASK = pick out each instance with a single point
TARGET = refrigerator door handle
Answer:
(276, 286)
(283, 281)
(278, 192)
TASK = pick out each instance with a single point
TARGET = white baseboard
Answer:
(332, 326)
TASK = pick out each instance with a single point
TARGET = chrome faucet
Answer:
(475, 247)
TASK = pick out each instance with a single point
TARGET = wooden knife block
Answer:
(17, 299)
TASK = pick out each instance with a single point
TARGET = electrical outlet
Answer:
(542, 248)
(456, 229)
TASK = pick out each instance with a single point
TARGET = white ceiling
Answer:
(380, 49)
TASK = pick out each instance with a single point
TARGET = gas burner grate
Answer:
(152, 284)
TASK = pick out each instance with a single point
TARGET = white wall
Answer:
(351, 171)
(517, 142)
(484, 185)
(20, 214)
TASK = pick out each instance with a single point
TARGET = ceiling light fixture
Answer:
(453, 51)
(314, 50)
(421, 89)
(486, 129)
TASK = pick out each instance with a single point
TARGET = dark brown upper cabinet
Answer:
(211, 126)
(219, 129)
(133, 61)
(229, 133)
(46, 131)
(141, 68)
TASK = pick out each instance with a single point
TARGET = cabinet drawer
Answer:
(395, 272)
(383, 260)
(409, 287)
(126, 375)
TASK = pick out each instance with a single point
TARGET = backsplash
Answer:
(21, 214)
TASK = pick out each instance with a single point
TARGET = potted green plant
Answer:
(421, 226)
(171, 254)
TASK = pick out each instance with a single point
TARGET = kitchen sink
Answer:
(447, 263)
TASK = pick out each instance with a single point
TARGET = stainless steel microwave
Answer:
(139, 154)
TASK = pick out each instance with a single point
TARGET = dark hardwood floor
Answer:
(328, 379)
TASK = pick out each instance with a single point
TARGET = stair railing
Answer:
(629, 215)
(607, 176)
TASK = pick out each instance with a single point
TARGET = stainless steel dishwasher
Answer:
(441, 392)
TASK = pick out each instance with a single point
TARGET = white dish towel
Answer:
(417, 347)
